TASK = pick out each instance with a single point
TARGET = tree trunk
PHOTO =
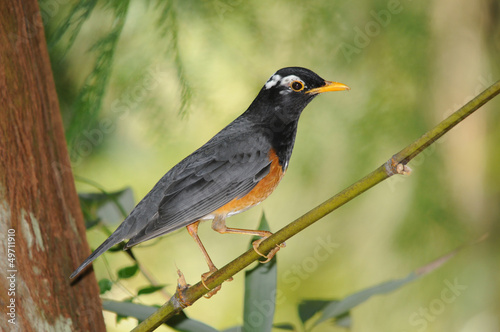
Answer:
(42, 232)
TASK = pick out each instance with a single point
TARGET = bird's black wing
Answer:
(227, 167)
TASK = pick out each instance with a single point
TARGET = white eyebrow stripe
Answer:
(272, 81)
(285, 81)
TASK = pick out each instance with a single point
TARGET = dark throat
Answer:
(282, 138)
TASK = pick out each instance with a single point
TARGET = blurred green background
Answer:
(144, 83)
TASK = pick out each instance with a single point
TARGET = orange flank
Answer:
(259, 193)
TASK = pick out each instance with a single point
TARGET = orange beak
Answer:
(329, 86)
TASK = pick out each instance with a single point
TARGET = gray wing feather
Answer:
(207, 184)
(228, 166)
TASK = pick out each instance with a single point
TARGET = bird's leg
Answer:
(193, 231)
(219, 225)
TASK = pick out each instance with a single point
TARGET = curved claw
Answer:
(214, 291)
(270, 255)
(211, 292)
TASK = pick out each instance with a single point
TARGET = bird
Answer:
(235, 170)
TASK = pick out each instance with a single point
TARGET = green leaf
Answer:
(179, 322)
(260, 294)
(104, 285)
(128, 309)
(72, 24)
(344, 321)
(86, 107)
(119, 318)
(308, 308)
(335, 309)
(169, 27)
(338, 308)
(182, 323)
(128, 272)
(285, 326)
(234, 329)
(150, 289)
(117, 247)
(110, 207)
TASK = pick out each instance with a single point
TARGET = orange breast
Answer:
(259, 193)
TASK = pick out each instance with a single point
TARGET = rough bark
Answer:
(40, 217)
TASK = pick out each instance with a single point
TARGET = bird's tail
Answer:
(115, 238)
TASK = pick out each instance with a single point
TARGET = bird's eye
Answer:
(297, 86)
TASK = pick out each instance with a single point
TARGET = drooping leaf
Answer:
(308, 308)
(72, 24)
(179, 322)
(88, 104)
(336, 309)
(150, 289)
(119, 317)
(260, 293)
(128, 272)
(169, 27)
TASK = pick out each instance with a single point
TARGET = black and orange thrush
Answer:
(235, 170)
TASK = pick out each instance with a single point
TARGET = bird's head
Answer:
(288, 91)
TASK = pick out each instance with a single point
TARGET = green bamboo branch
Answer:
(395, 165)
